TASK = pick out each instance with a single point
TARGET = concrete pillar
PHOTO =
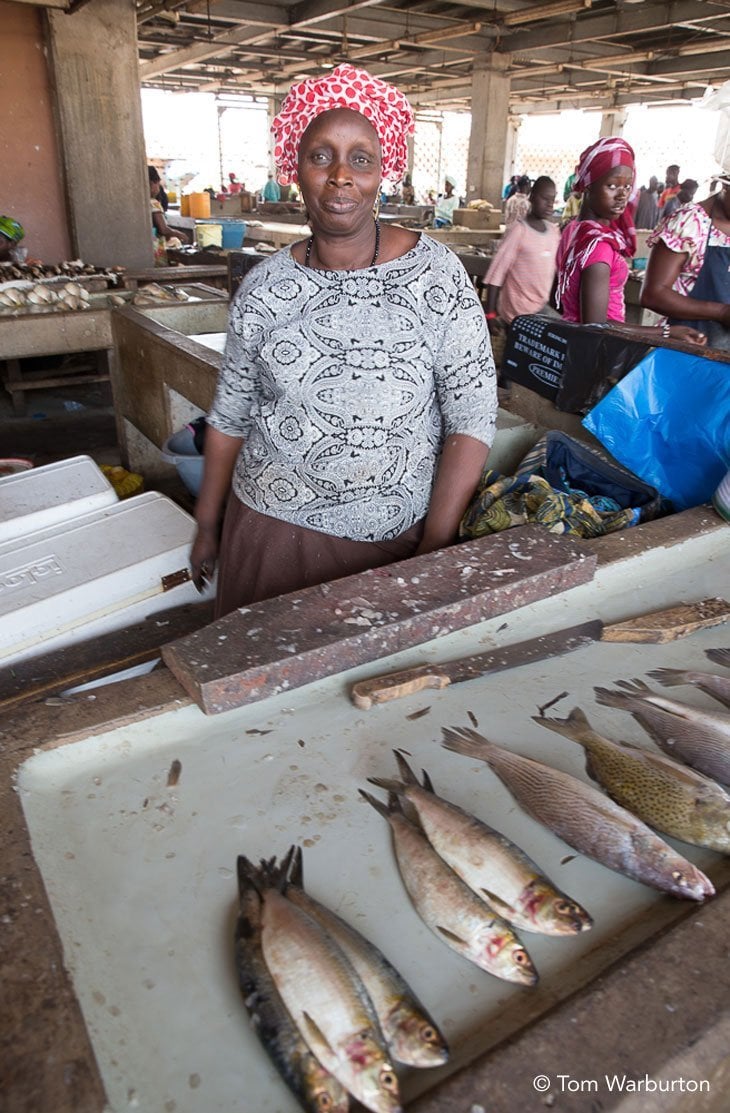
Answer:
(514, 123)
(96, 76)
(489, 116)
(612, 122)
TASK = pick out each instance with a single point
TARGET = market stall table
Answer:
(27, 334)
(140, 871)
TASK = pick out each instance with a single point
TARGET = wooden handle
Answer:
(396, 684)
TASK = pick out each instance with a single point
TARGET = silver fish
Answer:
(327, 1001)
(448, 907)
(667, 795)
(716, 686)
(700, 738)
(586, 819)
(409, 1031)
(494, 868)
(314, 1087)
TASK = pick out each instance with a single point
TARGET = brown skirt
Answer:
(261, 557)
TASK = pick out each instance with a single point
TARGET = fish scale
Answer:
(493, 867)
(449, 908)
(699, 738)
(668, 796)
(327, 1002)
(586, 819)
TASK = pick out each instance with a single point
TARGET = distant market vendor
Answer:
(11, 234)
(595, 248)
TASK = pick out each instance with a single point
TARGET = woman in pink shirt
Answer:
(594, 248)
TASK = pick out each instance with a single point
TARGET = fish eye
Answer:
(521, 957)
(388, 1080)
(429, 1034)
(565, 907)
(679, 877)
(324, 1102)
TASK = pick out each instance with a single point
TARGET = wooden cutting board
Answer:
(663, 626)
(283, 643)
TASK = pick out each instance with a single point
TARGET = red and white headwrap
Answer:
(344, 87)
(601, 158)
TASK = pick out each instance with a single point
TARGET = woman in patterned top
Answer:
(688, 272)
(357, 398)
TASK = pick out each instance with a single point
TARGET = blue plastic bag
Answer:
(668, 421)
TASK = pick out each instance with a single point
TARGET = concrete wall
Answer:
(96, 75)
(31, 177)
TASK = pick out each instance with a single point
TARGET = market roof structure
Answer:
(559, 53)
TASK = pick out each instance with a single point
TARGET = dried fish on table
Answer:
(716, 686)
(719, 656)
(324, 997)
(448, 907)
(314, 1087)
(410, 1033)
(673, 798)
(585, 818)
(493, 867)
(698, 737)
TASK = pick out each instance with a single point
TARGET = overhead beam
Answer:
(648, 16)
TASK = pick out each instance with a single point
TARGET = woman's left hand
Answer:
(689, 335)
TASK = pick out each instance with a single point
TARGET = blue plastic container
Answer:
(233, 233)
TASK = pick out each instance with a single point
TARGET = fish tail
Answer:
(249, 876)
(573, 727)
(406, 773)
(636, 687)
(719, 656)
(295, 867)
(610, 698)
(386, 810)
(427, 782)
(276, 876)
(469, 743)
(669, 678)
(390, 784)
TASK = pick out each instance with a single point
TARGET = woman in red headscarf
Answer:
(356, 401)
(595, 248)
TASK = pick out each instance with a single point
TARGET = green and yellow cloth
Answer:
(11, 229)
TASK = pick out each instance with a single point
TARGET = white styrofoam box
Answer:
(41, 497)
(92, 574)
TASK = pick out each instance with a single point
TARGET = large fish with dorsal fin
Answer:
(410, 1033)
(324, 996)
(585, 818)
(313, 1086)
(670, 797)
(492, 866)
(698, 737)
(448, 907)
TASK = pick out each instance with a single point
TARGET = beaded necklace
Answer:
(372, 262)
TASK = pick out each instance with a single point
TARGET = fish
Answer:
(326, 999)
(493, 867)
(585, 818)
(719, 656)
(716, 686)
(448, 907)
(698, 737)
(313, 1086)
(411, 1035)
(669, 796)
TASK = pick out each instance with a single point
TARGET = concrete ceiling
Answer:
(561, 53)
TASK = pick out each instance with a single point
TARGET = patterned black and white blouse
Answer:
(345, 383)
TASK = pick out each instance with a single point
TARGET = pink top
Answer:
(524, 268)
(618, 273)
